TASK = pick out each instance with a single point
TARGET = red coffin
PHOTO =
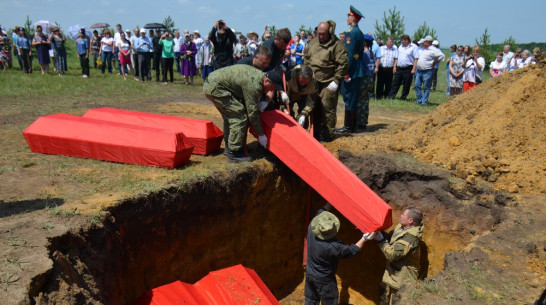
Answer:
(304, 155)
(203, 135)
(63, 134)
(231, 286)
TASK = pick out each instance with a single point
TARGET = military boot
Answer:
(226, 137)
(238, 156)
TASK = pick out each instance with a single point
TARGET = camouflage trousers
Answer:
(364, 100)
(235, 120)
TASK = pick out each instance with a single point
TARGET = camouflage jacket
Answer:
(242, 83)
(328, 60)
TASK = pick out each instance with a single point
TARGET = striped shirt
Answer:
(387, 56)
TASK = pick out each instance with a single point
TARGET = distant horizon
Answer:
(246, 15)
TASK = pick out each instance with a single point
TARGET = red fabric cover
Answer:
(230, 286)
(296, 148)
(203, 135)
(63, 134)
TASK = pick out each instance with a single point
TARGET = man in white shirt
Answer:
(177, 42)
(429, 56)
(405, 64)
(384, 68)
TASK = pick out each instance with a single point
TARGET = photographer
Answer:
(167, 56)
(473, 66)
(515, 61)
(222, 39)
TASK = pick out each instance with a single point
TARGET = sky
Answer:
(454, 23)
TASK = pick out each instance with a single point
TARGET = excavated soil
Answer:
(495, 132)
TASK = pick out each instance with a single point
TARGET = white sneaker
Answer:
(84, 76)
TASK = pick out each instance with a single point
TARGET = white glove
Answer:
(262, 105)
(301, 120)
(285, 98)
(263, 140)
(368, 236)
(332, 86)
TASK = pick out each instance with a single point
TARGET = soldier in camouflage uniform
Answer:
(402, 253)
(328, 58)
(235, 91)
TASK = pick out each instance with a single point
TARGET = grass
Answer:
(25, 98)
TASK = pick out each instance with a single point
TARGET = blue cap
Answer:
(368, 37)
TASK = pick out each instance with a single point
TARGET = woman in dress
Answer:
(124, 47)
(187, 54)
(456, 71)
(106, 51)
(57, 40)
(42, 45)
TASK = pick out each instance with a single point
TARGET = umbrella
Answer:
(99, 25)
(46, 25)
(74, 31)
(154, 25)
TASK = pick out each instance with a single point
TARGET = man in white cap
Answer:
(429, 56)
(323, 252)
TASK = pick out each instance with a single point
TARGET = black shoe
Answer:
(238, 156)
(361, 127)
(345, 129)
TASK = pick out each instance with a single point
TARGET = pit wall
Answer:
(255, 218)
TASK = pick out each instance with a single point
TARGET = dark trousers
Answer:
(144, 61)
(84, 63)
(384, 82)
(27, 64)
(177, 60)
(136, 64)
(157, 63)
(402, 77)
(323, 292)
(167, 66)
(434, 79)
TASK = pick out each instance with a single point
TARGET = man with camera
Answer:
(222, 38)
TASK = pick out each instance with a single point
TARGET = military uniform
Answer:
(236, 90)
(329, 63)
(303, 96)
(403, 257)
(354, 42)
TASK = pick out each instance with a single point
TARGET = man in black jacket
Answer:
(223, 39)
(323, 252)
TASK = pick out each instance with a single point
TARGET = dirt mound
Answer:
(495, 132)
